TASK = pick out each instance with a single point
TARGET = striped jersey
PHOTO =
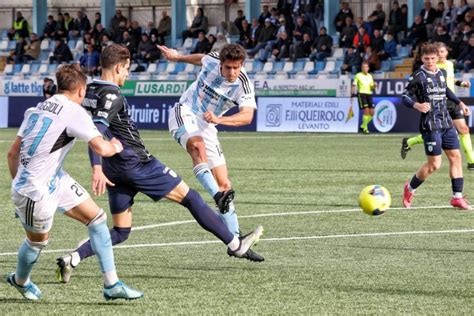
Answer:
(431, 87)
(48, 132)
(212, 92)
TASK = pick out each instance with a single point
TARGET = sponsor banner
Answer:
(154, 88)
(390, 87)
(3, 112)
(307, 115)
(309, 87)
(146, 112)
(390, 115)
(21, 87)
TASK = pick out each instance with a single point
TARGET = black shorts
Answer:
(454, 110)
(365, 101)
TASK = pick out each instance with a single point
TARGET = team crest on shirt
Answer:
(441, 78)
(218, 80)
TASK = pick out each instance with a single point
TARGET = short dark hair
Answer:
(429, 49)
(232, 52)
(70, 77)
(114, 54)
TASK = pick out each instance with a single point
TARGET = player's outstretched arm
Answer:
(105, 148)
(172, 55)
(13, 156)
(243, 117)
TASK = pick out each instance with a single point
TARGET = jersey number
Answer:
(77, 189)
(31, 124)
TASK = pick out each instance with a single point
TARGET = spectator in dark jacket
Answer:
(128, 42)
(302, 49)
(164, 26)
(202, 45)
(266, 34)
(245, 37)
(61, 53)
(395, 23)
(115, 22)
(49, 28)
(82, 23)
(417, 33)
(60, 30)
(280, 48)
(340, 21)
(98, 32)
(465, 60)
(347, 35)
(300, 29)
(377, 18)
(377, 41)
(441, 35)
(352, 61)
(238, 20)
(428, 14)
(200, 23)
(322, 46)
(18, 55)
(264, 15)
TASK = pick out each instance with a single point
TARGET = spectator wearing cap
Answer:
(352, 61)
(200, 23)
(33, 48)
(377, 18)
(266, 34)
(19, 28)
(322, 46)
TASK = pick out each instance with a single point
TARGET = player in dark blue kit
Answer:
(135, 169)
(427, 92)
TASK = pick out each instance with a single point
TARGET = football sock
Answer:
(28, 254)
(101, 244)
(205, 177)
(206, 217)
(415, 140)
(414, 183)
(230, 220)
(117, 234)
(466, 146)
(365, 121)
(457, 185)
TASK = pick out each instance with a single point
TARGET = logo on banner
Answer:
(385, 116)
(273, 115)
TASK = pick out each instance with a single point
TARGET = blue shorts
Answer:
(437, 141)
(153, 179)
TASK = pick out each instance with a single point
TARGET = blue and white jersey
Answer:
(212, 92)
(48, 132)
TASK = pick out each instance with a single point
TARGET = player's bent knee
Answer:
(37, 245)
(121, 233)
(463, 129)
(99, 218)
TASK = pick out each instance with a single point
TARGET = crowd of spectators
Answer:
(291, 30)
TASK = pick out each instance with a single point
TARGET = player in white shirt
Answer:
(41, 186)
(221, 84)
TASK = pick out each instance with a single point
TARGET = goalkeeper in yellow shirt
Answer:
(455, 111)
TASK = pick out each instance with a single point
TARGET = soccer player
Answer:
(454, 110)
(221, 85)
(365, 85)
(135, 169)
(426, 92)
(41, 186)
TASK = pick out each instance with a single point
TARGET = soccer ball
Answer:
(374, 199)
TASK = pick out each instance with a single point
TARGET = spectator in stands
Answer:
(256, 29)
(90, 61)
(465, 60)
(377, 42)
(266, 34)
(98, 20)
(428, 14)
(83, 25)
(322, 46)
(377, 18)
(60, 30)
(311, 11)
(87, 39)
(106, 41)
(417, 33)
(361, 40)
(369, 28)
(135, 31)
(389, 48)
(245, 37)
(236, 26)
(274, 17)
(221, 41)
(212, 40)
(449, 16)
(300, 29)
(352, 61)
(143, 50)
(49, 87)
(199, 24)
(164, 27)
(464, 7)
(150, 29)
(19, 28)
(122, 27)
(202, 45)
(49, 29)
(18, 55)
(439, 12)
(98, 32)
(302, 49)
(33, 49)
(441, 35)
(127, 41)
(340, 21)
(279, 48)
(264, 15)
(404, 12)
(61, 53)
(115, 22)
(372, 58)
(69, 24)
(395, 23)
(468, 20)
(347, 35)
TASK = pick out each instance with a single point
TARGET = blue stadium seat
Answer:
(43, 55)
(52, 68)
(161, 66)
(257, 66)
(52, 45)
(179, 67)
(338, 65)
(17, 68)
(318, 66)
(11, 45)
(277, 66)
(35, 67)
(385, 66)
(297, 66)
(4, 34)
(403, 52)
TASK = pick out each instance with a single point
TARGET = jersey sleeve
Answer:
(409, 96)
(24, 124)
(109, 102)
(247, 97)
(81, 126)
(212, 57)
(356, 80)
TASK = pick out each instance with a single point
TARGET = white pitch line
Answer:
(205, 242)
(288, 214)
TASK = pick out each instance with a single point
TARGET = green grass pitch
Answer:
(323, 255)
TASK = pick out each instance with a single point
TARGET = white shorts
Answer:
(184, 124)
(38, 216)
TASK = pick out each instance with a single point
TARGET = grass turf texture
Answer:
(272, 174)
